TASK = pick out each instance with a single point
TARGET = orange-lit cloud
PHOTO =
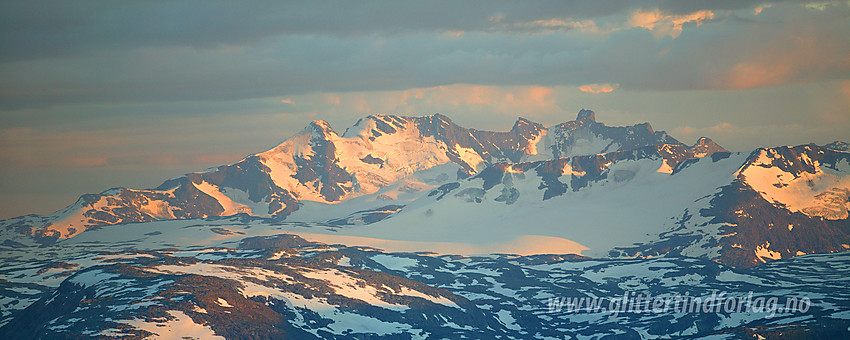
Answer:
(845, 89)
(85, 162)
(840, 115)
(412, 93)
(761, 8)
(32, 148)
(598, 88)
(527, 100)
(332, 100)
(164, 160)
(721, 131)
(464, 94)
(760, 135)
(361, 105)
(662, 24)
(287, 101)
(803, 56)
(756, 74)
(500, 98)
(723, 127)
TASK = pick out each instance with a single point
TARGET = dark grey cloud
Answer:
(38, 29)
(796, 45)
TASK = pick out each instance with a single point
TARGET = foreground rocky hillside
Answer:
(282, 286)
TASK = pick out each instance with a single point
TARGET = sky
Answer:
(102, 94)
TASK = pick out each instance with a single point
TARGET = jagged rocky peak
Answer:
(524, 128)
(838, 146)
(709, 143)
(705, 146)
(586, 136)
(586, 115)
(520, 122)
(704, 141)
(438, 117)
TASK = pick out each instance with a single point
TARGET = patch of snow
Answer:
(508, 320)
(469, 156)
(230, 206)
(223, 303)
(182, 326)
(665, 168)
(395, 262)
(441, 300)
(348, 286)
(764, 253)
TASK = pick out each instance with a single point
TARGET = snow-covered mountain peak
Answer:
(805, 178)
(320, 129)
(374, 126)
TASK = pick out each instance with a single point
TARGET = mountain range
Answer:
(416, 227)
(613, 191)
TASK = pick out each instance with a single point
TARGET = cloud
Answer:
(332, 100)
(510, 100)
(818, 6)
(453, 34)
(553, 24)
(844, 88)
(722, 129)
(598, 88)
(472, 100)
(552, 46)
(761, 135)
(663, 24)
(88, 161)
(58, 28)
(217, 158)
(761, 8)
(756, 74)
(801, 54)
